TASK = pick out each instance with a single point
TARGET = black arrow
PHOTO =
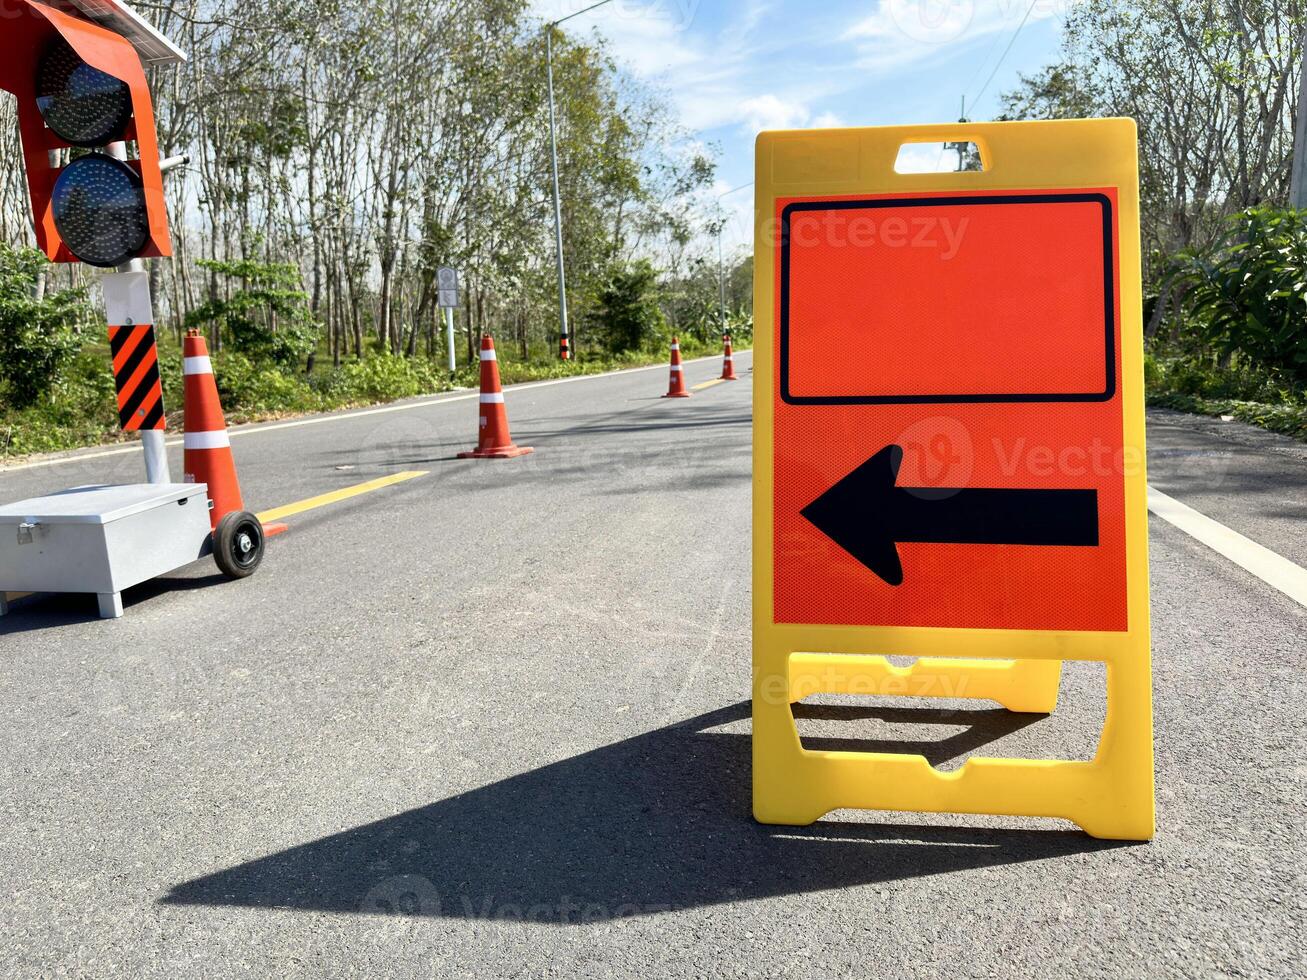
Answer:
(869, 515)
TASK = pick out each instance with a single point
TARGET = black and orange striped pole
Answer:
(135, 355)
(136, 363)
(136, 377)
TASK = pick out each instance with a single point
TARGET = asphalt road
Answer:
(493, 722)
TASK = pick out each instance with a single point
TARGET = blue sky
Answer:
(735, 67)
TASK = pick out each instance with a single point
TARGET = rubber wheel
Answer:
(238, 544)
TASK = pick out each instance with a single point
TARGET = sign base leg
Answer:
(111, 604)
(1110, 797)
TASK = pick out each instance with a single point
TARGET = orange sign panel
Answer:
(949, 424)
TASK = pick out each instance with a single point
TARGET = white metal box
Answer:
(102, 539)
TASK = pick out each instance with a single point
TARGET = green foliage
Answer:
(1054, 92)
(1247, 294)
(38, 337)
(84, 413)
(740, 327)
(383, 377)
(628, 316)
(267, 317)
(252, 388)
(1203, 384)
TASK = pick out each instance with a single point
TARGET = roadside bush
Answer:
(629, 317)
(1247, 295)
(740, 325)
(1207, 377)
(382, 377)
(38, 338)
(248, 388)
(1202, 384)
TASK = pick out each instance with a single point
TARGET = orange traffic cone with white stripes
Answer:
(207, 458)
(677, 387)
(494, 441)
(728, 361)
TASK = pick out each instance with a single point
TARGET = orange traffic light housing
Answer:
(32, 31)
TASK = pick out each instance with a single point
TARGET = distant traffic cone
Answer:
(728, 362)
(494, 441)
(677, 387)
(208, 456)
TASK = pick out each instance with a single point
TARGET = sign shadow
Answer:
(655, 823)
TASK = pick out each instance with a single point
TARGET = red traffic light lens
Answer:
(81, 104)
(100, 212)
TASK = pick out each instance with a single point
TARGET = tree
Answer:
(366, 143)
(266, 318)
(1055, 92)
(627, 316)
(1213, 87)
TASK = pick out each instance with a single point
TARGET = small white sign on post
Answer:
(127, 299)
(447, 287)
(447, 299)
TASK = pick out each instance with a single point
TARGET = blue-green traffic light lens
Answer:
(81, 104)
(99, 210)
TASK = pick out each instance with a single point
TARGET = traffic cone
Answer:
(208, 456)
(728, 362)
(677, 387)
(494, 441)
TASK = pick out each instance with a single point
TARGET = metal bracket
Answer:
(25, 531)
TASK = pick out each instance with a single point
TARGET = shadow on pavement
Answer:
(981, 728)
(614, 427)
(46, 610)
(658, 822)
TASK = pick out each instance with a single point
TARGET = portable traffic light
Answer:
(81, 87)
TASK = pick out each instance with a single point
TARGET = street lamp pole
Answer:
(1298, 191)
(721, 277)
(721, 260)
(564, 334)
(564, 342)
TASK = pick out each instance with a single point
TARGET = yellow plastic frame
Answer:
(1110, 796)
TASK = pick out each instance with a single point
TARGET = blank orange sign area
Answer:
(960, 299)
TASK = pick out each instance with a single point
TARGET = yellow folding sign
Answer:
(949, 440)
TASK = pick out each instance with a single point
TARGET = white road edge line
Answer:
(257, 427)
(1276, 571)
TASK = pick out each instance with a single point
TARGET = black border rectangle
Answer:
(1109, 299)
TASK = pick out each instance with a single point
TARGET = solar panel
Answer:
(155, 49)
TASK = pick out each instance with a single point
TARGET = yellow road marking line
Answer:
(708, 384)
(336, 496)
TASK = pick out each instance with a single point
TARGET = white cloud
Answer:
(773, 112)
(715, 77)
(904, 32)
(733, 68)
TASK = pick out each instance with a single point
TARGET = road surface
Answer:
(492, 721)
